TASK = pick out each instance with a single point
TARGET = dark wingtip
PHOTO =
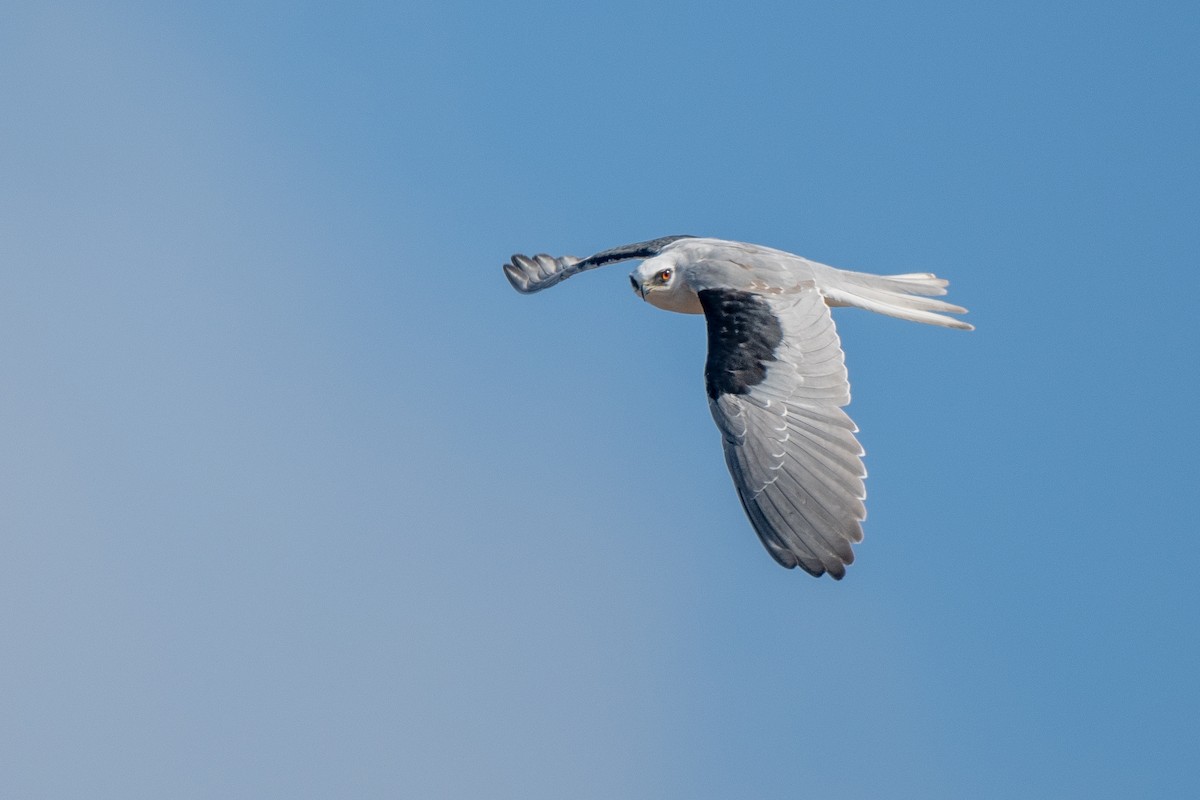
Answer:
(517, 278)
(526, 274)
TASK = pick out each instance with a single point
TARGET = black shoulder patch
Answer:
(630, 251)
(742, 336)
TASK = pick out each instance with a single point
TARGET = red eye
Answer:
(665, 275)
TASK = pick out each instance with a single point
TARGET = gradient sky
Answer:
(299, 499)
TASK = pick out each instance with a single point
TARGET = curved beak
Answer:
(637, 287)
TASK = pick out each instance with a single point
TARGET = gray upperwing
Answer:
(776, 383)
(529, 274)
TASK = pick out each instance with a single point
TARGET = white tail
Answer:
(904, 296)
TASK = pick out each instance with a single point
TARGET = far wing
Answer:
(529, 274)
(776, 383)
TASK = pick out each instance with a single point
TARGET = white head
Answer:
(660, 283)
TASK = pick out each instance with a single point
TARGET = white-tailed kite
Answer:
(775, 374)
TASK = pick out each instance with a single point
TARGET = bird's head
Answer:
(660, 283)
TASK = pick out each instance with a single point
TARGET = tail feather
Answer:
(914, 302)
(912, 282)
(903, 296)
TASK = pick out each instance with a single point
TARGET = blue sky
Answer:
(299, 498)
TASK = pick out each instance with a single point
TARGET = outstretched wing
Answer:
(776, 383)
(529, 274)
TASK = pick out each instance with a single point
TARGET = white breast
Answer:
(679, 298)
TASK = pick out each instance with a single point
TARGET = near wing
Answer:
(529, 274)
(776, 383)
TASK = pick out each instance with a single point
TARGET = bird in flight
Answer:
(775, 374)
